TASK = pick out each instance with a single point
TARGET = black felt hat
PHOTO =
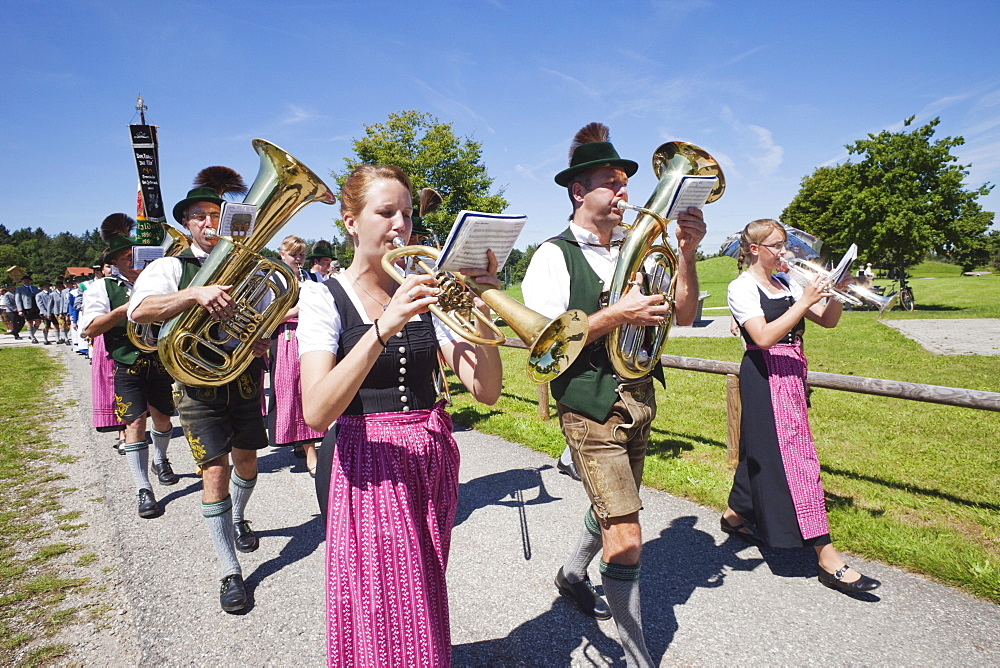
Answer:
(591, 149)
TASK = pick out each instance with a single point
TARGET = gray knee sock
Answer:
(32, 331)
(621, 588)
(45, 334)
(137, 455)
(240, 490)
(567, 456)
(219, 518)
(161, 439)
(588, 545)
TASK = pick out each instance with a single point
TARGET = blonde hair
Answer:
(754, 233)
(292, 245)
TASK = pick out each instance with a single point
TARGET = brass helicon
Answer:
(200, 351)
(634, 350)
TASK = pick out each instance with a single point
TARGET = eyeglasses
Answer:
(198, 217)
(774, 246)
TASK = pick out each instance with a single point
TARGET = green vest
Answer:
(589, 385)
(116, 340)
(189, 267)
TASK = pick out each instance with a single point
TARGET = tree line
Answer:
(46, 257)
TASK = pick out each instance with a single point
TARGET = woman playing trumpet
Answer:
(368, 349)
(777, 485)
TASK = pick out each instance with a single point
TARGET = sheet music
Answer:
(693, 191)
(473, 234)
(237, 220)
(844, 268)
(143, 255)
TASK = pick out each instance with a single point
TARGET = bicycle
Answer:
(902, 286)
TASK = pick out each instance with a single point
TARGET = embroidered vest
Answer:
(116, 340)
(589, 385)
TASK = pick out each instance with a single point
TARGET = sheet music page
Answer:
(843, 269)
(143, 255)
(237, 219)
(693, 191)
(473, 234)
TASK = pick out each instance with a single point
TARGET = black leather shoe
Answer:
(246, 541)
(165, 473)
(147, 504)
(568, 469)
(232, 594)
(835, 581)
(585, 596)
(750, 538)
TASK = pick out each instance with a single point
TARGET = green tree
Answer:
(902, 199)
(429, 152)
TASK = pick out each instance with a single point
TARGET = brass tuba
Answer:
(634, 350)
(200, 351)
(143, 335)
(553, 345)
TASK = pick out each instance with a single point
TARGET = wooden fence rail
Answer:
(935, 394)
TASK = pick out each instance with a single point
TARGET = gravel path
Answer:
(706, 600)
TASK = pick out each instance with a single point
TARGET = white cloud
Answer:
(584, 88)
(453, 108)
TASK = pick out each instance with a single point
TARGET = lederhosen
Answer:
(139, 378)
(595, 406)
(218, 419)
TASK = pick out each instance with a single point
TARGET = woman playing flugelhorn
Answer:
(368, 349)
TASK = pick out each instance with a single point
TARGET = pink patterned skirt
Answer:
(777, 483)
(392, 503)
(102, 388)
(289, 425)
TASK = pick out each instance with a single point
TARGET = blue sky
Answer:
(773, 90)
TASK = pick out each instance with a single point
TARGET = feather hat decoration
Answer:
(221, 179)
(588, 134)
(117, 224)
(209, 186)
(591, 148)
(430, 200)
(115, 229)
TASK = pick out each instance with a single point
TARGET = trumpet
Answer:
(553, 344)
(804, 271)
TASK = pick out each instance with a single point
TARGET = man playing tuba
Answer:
(605, 421)
(218, 421)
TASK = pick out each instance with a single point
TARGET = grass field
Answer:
(36, 532)
(908, 483)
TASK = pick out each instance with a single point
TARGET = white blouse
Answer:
(319, 319)
(744, 298)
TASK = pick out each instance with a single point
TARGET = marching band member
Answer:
(777, 486)
(27, 309)
(141, 384)
(368, 348)
(219, 422)
(102, 372)
(47, 303)
(320, 260)
(606, 423)
(289, 427)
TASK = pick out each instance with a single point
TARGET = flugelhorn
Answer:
(197, 350)
(804, 271)
(634, 350)
(553, 344)
(144, 335)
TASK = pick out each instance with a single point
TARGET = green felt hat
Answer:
(591, 155)
(117, 244)
(201, 194)
(420, 228)
(319, 251)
